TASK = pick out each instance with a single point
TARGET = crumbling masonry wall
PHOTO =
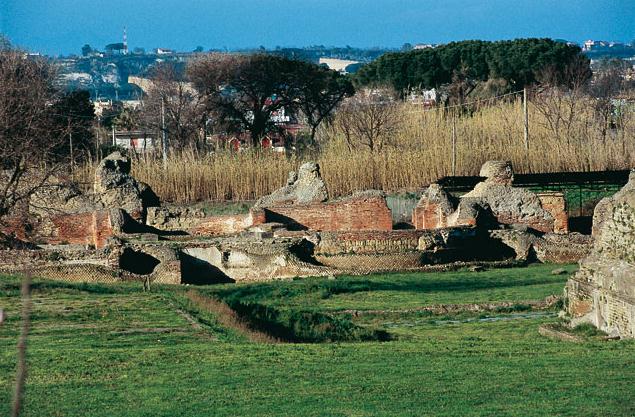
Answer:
(492, 202)
(60, 213)
(366, 211)
(603, 291)
(195, 222)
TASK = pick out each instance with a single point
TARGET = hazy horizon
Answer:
(59, 27)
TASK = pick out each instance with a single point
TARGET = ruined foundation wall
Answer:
(398, 250)
(92, 228)
(195, 222)
(370, 250)
(428, 216)
(556, 205)
(229, 224)
(492, 201)
(353, 213)
(603, 291)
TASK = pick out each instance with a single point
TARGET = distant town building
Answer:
(135, 140)
(424, 46)
(119, 48)
(164, 51)
(426, 97)
(339, 65)
(591, 45)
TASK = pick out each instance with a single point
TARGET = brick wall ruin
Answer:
(603, 291)
(195, 222)
(556, 205)
(492, 202)
(364, 211)
(295, 231)
(60, 213)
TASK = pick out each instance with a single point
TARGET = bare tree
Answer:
(29, 134)
(560, 95)
(30, 138)
(605, 87)
(320, 92)
(369, 118)
(175, 97)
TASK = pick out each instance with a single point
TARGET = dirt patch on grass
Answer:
(555, 332)
(580, 333)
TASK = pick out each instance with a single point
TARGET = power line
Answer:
(467, 103)
(79, 116)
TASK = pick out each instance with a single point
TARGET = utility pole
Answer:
(165, 137)
(70, 147)
(98, 139)
(526, 118)
(453, 144)
(70, 140)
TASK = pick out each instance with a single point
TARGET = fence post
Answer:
(526, 118)
(164, 142)
(453, 144)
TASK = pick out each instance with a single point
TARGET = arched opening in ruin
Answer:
(137, 262)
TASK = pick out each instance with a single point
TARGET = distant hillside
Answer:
(107, 76)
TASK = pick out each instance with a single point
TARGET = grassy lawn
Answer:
(114, 350)
(405, 291)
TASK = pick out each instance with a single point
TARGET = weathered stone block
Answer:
(603, 291)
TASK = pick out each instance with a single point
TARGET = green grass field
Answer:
(97, 350)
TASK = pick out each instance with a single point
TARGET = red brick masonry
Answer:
(90, 228)
(354, 213)
(556, 205)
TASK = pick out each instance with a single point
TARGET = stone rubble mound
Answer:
(305, 187)
(115, 187)
(493, 200)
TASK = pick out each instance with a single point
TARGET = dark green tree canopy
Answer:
(244, 91)
(518, 62)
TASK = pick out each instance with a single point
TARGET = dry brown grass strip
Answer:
(228, 318)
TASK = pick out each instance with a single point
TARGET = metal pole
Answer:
(453, 144)
(165, 138)
(526, 118)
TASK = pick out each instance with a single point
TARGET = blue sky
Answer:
(63, 26)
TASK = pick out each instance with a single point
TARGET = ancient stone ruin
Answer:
(492, 202)
(603, 291)
(305, 187)
(534, 226)
(60, 213)
(119, 231)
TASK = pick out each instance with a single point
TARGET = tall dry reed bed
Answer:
(564, 136)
